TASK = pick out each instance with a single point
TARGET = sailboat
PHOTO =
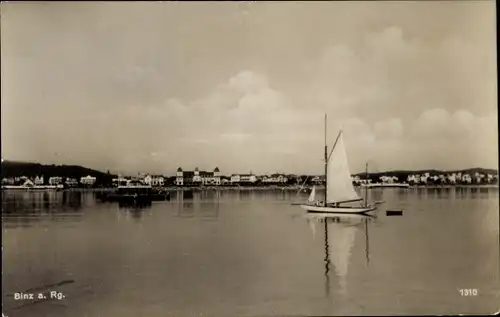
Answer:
(339, 189)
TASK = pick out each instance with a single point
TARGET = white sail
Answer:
(312, 197)
(338, 178)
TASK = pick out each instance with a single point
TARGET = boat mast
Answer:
(366, 187)
(326, 165)
(367, 248)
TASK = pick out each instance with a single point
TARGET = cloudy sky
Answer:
(147, 87)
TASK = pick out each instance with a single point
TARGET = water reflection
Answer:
(199, 204)
(23, 208)
(434, 193)
(339, 238)
(187, 194)
(134, 210)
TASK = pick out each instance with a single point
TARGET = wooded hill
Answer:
(403, 175)
(17, 169)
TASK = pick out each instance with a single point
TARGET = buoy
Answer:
(394, 212)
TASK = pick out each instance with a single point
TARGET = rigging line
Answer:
(333, 147)
(301, 187)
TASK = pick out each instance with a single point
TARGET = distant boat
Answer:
(339, 189)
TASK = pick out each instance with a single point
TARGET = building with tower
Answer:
(197, 177)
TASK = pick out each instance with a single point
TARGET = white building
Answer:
(39, 180)
(235, 178)
(479, 177)
(209, 178)
(154, 180)
(243, 178)
(388, 179)
(274, 179)
(452, 178)
(491, 178)
(198, 177)
(423, 178)
(157, 181)
(56, 180)
(413, 178)
(119, 181)
(88, 180)
(466, 178)
(71, 182)
(147, 180)
(28, 183)
(8, 181)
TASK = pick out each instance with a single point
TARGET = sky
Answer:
(147, 87)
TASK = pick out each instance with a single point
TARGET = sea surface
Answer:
(250, 253)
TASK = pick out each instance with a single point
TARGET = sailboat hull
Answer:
(328, 209)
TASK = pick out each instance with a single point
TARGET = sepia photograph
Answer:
(249, 158)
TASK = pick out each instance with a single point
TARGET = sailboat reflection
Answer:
(340, 234)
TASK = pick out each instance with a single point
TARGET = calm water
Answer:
(249, 253)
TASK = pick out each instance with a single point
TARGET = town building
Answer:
(39, 180)
(274, 179)
(88, 180)
(243, 178)
(413, 179)
(8, 181)
(491, 178)
(119, 181)
(318, 180)
(452, 178)
(466, 178)
(225, 180)
(197, 177)
(157, 181)
(154, 180)
(28, 183)
(71, 182)
(388, 179)
(478, 177)
(55, 180)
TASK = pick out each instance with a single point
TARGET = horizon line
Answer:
(267, 173)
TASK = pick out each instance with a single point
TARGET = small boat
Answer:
(339, 189)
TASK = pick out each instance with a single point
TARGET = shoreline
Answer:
(256, 188)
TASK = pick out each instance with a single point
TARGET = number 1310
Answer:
(468, 292)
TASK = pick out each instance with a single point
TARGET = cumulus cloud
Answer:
(389, 70)
(391, 129)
